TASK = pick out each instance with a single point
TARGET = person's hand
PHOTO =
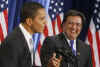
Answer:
(54, 62)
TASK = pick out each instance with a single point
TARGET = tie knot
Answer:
(71, 42)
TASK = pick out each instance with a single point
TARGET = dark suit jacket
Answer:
(14, 51)
(58, 42)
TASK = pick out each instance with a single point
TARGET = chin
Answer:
(40, 32)
(73, 37)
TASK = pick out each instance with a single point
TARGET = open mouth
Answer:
(73, 31)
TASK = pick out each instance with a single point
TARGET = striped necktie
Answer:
(72, 46)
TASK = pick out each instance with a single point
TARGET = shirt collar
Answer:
(68, 39)
(27, 36)
(25, 32)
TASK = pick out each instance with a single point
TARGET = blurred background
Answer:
(10, 18)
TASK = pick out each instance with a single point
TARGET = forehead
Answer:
(41, 11)
(76, 19)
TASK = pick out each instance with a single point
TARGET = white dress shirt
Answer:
(74, 45)
(28, 37)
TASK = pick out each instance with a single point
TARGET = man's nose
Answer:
(74, 26)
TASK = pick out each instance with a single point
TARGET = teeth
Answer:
(73, 31)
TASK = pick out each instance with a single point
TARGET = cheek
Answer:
(39, 26)
(34, 26)
(79, 29)
(65, 27)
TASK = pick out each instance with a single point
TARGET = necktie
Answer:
(73, 50)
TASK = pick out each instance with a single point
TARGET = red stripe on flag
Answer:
(53, 27)
(98, 44)
(1, 34)
(6, 18)
(59, 23)
(90, 39)
(45, 31)
(39, 47)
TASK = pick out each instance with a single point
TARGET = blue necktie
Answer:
(73, 50)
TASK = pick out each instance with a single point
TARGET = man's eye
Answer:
(78, 24)
(70, 22)
(42, 18)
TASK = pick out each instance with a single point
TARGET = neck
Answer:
(67, 36)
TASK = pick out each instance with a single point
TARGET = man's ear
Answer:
(29, 21)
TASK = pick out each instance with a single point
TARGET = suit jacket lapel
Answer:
(22, 38)
(67, 47)
(23, 42)
(78, 52)
(62, 37)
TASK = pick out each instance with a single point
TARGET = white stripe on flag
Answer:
(37, 59)
(42, 38)
(3, 24)
(56, 27)
(56, 23)
(49, 26)
(95, 49)
(61, 16)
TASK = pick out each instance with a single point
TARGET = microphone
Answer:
(67, 55)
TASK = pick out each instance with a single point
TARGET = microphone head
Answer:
(67, 55)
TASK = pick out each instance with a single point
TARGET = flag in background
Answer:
(3, 19)
(54, 10)
(93, 37)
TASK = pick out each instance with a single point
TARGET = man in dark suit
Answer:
(65, 50)
(17, 48)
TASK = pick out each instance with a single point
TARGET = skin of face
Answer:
(37, 24)
(72, 27)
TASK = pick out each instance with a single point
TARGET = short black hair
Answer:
(29, 10)
(74, 13)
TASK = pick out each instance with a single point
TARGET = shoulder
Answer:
(50, 39)
(54, 41)
(83, 44)
(56, 37)
(16, 33)
(13, 38)
(53, 38)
